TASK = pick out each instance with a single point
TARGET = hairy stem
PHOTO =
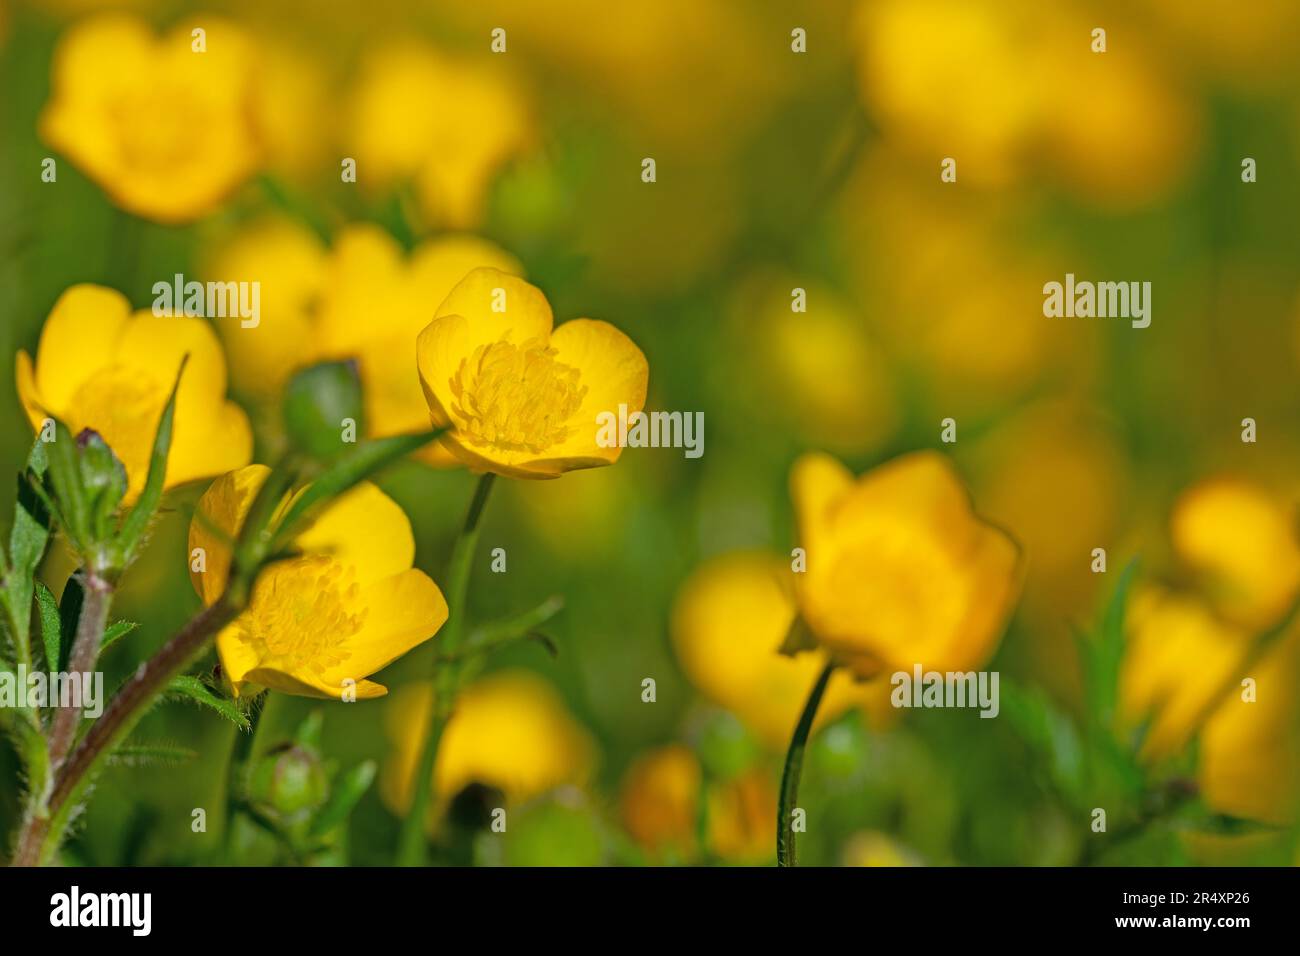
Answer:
(410, 849)
(785, 849)
(98, 595)
(41, 834)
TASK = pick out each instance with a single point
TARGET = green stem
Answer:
(241, 749)
(411, 844)
(98, 595)
(785, 849)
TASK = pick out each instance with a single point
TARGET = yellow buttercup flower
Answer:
(362, 299)
(1179, 655)
(523, 400)
(510, 730)
(166, 131)
(1244, 543)
(900, 569)
(317, 625)
(1180, 675)
(98, 366)
(728, 622)
(449, 124)
(659, 804)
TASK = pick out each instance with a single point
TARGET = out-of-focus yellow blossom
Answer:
(1249, 46)
(728, 622)
(1119, 133)
(523, 400)
(291, 104)
(871, 848)
(1053, 475)
(364, 299)
(289, 261)
(901, 571)
(835, 380)
(659, 803)
(166, 131)
(954, 78)
(346, 608)
(1179, 673)
(449, 124)
(1245, 545)
(1179, 656)
(1248, 765)
(101, 367)
(999, 85)
(510, 730)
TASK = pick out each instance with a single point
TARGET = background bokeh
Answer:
(775, 170)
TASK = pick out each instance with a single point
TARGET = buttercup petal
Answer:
(80, 337)
(218, 516)
(404, 610)
(364, 530)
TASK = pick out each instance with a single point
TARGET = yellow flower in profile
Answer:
(318, 624)
(166, 131)
(901, 571)
(523, 400)
(449, 124)
(362, 299)
(1244, 544)
(728, 623)
(101, 367)
(659, 803)
(1179, 655)
(1180, 675)
(510, 730)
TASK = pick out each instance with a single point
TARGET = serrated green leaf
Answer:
(27, 541)
(151, 754)
(191, 688)
(133, 528)
(115, 632)
(51, 637)
(345, 794)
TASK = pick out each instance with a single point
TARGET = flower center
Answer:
(124, 407)
(301, 614)
(516, 397)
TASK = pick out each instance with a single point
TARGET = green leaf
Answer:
(317, 401)
(27, 541)
(133, 528)
(345, 794)
(115, 632)
(355, 466)
(191, 688)
(162, 754)
(64, 476)
(1103, 653)
(69, 614)
(51, 635)
(1050, 733)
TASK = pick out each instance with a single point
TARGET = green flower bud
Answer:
(288, 784)
(323, 409)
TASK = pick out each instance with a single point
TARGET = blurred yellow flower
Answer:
(510, 730)
(363, 299)
(449, 124)
(166, 131)
(1180, 675)
(900, 570)
(835, 381)
(1000, 85)
(101, 367)
(659, 803)
(317, 625)
(728, 622)
(523, 400)
(1178, 657)
(1244, 544)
